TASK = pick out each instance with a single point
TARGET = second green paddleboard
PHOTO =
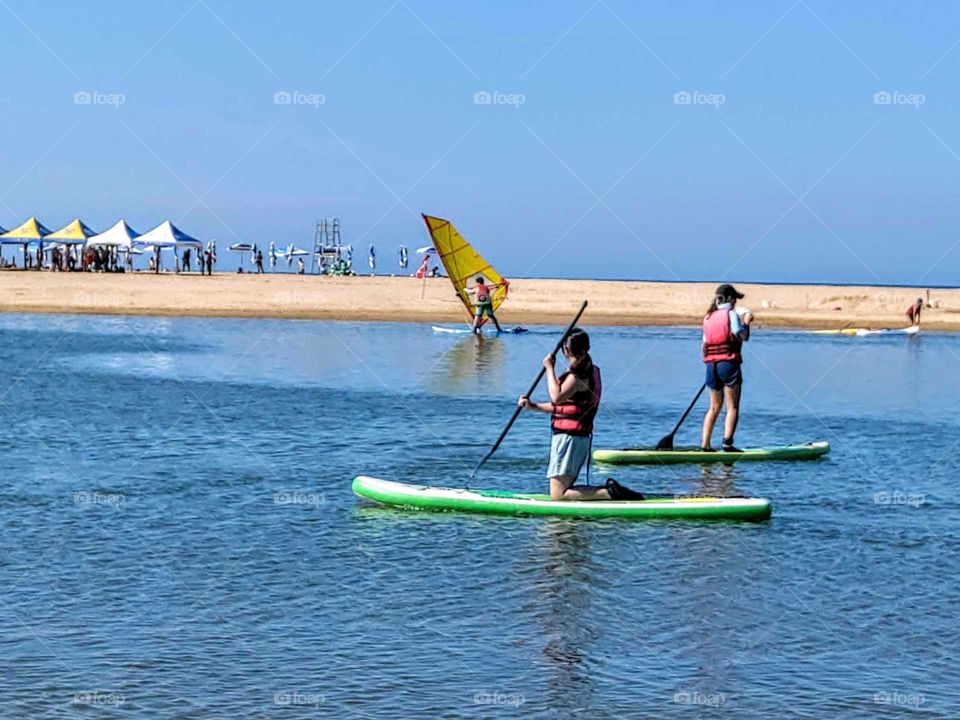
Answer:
(649, 456)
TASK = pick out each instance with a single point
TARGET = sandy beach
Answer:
(399, 299)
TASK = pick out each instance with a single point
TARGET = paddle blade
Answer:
(666, 443)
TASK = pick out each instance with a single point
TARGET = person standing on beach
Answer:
(724, 332)
(424, 267)
(484, 304)
(913, 312)
(574, 401)
(301, 268)
(259, 263)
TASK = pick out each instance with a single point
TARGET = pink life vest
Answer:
(719, 344)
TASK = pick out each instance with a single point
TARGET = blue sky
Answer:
(784, 165)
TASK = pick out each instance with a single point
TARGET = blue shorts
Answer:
(568, 453)
(723, 374)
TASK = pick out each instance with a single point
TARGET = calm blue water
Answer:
(180, 538)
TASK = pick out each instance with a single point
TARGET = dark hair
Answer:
(578, 345)
(479, 279)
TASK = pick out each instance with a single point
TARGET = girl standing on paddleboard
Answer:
(574, 401)
(724, 332)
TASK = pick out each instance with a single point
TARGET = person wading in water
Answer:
(913, 312)
(724, 333)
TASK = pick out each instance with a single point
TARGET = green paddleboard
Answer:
(649, 456)
(501, 502)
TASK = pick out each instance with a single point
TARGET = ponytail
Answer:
(578, 345)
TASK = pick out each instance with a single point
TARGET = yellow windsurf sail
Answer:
(464, 265)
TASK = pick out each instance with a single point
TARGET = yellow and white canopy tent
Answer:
(31, 230)
(464, 265)
(74, 233)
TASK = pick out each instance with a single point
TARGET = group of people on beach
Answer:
(575, 397)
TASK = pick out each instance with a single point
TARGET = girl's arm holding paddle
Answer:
(558, 393)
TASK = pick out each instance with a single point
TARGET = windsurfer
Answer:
(483, 298)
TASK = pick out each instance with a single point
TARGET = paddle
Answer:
(666, 442)
(529, 392)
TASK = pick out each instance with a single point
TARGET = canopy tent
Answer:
(74, 233)
(166, 235)
(120, 235)
(32, 229)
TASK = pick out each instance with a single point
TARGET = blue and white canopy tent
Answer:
(167, 236)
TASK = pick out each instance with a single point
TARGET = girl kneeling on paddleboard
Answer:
(574, 401)
(724, 332)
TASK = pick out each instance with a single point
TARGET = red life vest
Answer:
(719, 344)
(483, 293)
(575, 416)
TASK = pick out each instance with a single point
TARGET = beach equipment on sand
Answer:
(502, 502)
(533, 386)
(292, 252)
(649, 456)
(464, 265)
(666, 442)
(120, 236)
(241, 248)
